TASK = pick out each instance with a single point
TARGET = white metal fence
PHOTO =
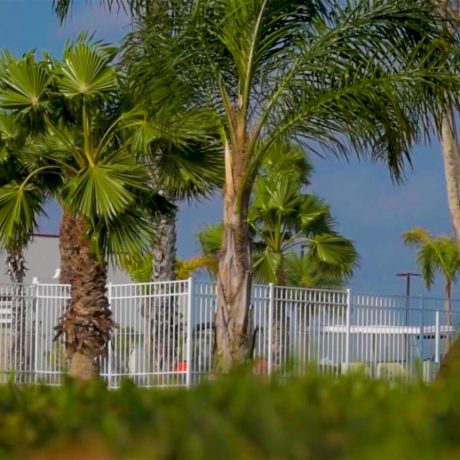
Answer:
(165, 333)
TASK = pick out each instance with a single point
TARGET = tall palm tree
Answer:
(436, 255)
(273, 69)
(186, 167)
(83, 148)
(361, 77)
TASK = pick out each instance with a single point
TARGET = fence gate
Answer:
(152, 342)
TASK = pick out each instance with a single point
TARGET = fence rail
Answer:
(165, 334)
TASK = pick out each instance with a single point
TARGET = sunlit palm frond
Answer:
(24, 85)
(86, 71)
(104, 189)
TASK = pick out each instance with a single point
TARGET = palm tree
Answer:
(278, 69)
(283, 218)
(11, 141)
(361, 77)
(436, 255)
(12, 169)
(184, 166)
(82, 156)
(306, 272)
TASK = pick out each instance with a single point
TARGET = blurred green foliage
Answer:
(239, 417)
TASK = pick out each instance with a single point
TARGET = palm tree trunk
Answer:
(280, 321)
(163, 311)
(451, 157)
(164, 248)
(233, 335)
(450, 367)
(448, 310)
(16, 269)
(87, 322)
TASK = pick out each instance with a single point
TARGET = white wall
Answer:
(42, 260)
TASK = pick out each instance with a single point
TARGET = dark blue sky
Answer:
(369, 208)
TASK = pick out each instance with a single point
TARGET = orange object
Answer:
(181, 366)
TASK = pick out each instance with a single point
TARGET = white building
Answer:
(43, 262)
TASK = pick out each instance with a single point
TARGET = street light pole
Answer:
(408, 276)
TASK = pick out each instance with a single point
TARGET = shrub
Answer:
(241, 416)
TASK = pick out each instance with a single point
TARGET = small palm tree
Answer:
(436, 255)
(283, 218)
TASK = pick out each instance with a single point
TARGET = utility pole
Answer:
(408, 276)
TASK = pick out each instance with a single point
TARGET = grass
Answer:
(239, 417)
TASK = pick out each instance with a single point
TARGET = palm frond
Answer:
(334, 250)
(20, 205)
(104, 189)
(24, 85)
(85, 71)
(434, 254)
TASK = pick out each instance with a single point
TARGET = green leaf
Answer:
(105, 190)
(19, 207)
(24, 83)
(86, 71)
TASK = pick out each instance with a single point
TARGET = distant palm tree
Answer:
(436, 255)
(284, 218)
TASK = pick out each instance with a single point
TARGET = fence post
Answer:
(188, 350)
(110, 344)
(35, 285)
(271, 303)
(436, 339)
(347, 331)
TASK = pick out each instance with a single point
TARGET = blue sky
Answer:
(369, 208)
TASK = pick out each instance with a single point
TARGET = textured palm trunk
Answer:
(450, 366)
(87, 322)
(164, 248)
(233, 334)
(162, 313)
(16, 270)
(280, 322)
(451, 157)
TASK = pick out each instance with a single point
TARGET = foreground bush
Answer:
(238, 417)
